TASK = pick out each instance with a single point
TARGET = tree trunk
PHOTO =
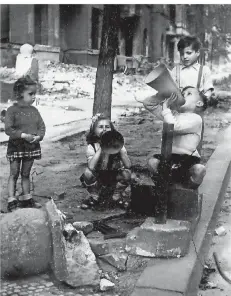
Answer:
(108, 48)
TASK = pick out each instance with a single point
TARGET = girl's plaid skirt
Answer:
(20, 148)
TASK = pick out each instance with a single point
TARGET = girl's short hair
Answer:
(188, 41)
(91, 136)
(21, 85)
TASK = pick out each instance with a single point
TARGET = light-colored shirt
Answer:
(187, 131)
(188, 76)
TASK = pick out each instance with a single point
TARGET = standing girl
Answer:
(104, 170)
(25, 127)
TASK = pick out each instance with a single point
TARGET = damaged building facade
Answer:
(72, 33)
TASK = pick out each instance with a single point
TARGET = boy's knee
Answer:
(153, 164)
(89, 178)
(198, 170)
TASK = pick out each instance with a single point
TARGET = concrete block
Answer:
(118, 260)
(159, 240)
(103, 247)
(182, 203)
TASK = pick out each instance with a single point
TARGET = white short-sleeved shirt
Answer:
(188, 76)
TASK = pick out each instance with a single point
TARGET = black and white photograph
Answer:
(115, 148)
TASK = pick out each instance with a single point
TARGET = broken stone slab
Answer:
(73, 262)
(106, 285)
(102, 247)
(159, 240)
(25, 243)
(56, 224)
(82, 269)
(105, 266)
(84, 226)
(118, 260)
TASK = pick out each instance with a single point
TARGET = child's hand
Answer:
(27, 137)
(36, 139)
(170, 101)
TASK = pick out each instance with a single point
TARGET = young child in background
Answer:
(185, 159)
(26, 63)
(104, 170)
(25, 128)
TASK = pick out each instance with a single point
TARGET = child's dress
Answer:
(23, 119)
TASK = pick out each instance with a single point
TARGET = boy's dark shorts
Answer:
(180, 165)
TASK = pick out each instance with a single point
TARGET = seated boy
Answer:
(185, 159)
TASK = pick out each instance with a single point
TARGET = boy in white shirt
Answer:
(188, 72)
(185, 159)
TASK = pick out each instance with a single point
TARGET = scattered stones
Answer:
(50, 284)
(60, 195)
(106, 285)
(84, 226)
(118, 260)
(103, 247)
(220, 231)
(25, 243)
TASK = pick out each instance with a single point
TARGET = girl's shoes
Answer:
(12, 205)
(29, 203)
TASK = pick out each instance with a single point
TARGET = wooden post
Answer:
(162, 182)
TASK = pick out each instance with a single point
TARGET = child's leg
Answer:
(153, 164)
(123, 179)
(90, 182)
(26, 200)
(14, 173)
(25, 175)
(196, 175)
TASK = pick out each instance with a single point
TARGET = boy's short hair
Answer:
(203, 98)
(189, 41)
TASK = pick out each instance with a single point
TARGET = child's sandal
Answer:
(12, 205)
(89, 203)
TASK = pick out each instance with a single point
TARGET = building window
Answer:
(95, 28)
